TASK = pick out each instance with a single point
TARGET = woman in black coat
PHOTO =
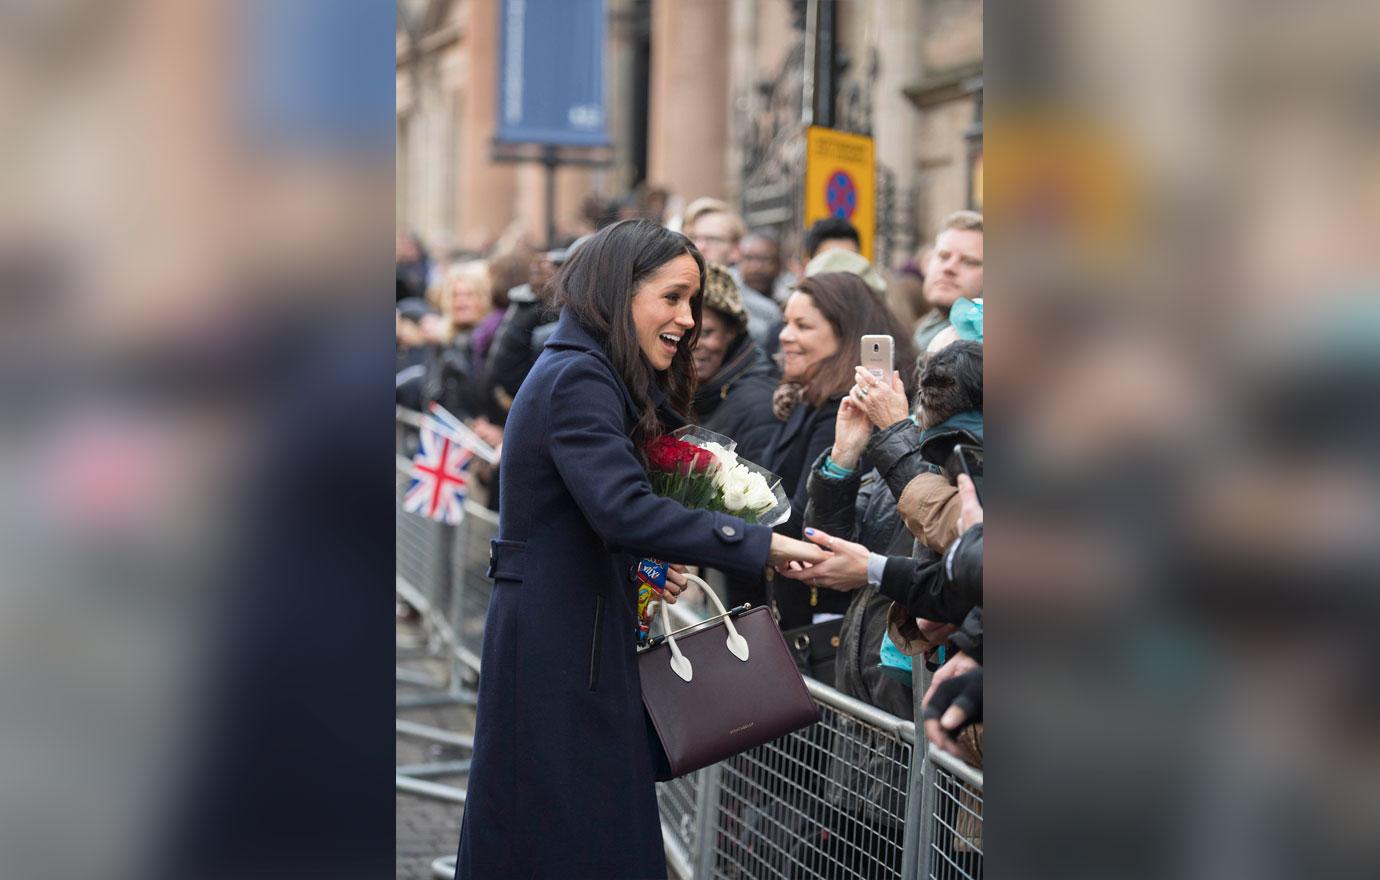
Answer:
(561, 783)
(826, 318)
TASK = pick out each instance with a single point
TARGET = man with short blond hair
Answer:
(953, 270)
(716, 230)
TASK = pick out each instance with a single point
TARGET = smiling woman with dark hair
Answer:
(821, 347)
(561, 783)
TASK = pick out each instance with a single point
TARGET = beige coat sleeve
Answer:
(930, 507)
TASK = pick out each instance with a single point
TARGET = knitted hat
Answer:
(722, 295)
(839, 260)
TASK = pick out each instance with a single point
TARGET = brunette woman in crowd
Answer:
(821, 348)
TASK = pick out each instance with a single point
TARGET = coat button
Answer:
(729, 531)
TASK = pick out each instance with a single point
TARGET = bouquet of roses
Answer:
(701, 470)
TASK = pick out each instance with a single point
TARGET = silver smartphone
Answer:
(878, 356)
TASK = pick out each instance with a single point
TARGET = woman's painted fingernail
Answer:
(809, 531)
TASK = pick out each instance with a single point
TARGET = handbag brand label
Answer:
(743, 727)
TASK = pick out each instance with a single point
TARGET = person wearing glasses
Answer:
(717, 232)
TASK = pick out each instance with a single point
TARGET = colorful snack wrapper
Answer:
(651, 582)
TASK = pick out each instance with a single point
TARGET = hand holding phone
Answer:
(966, 459)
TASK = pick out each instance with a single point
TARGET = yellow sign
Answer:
(840, 180)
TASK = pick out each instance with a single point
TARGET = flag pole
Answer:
(461, 433)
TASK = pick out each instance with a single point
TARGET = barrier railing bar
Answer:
(677, 861)
(412, 596)
(920, 798)
(409, 416)
(431, 701)
(967, 773)
(438, 768)
(467, 657)
(413, 677)
(706, 809)
(448, 793)
(435, 734)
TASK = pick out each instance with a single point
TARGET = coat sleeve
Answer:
(930, 508)
(512, 356)
(895, 452)
(963, 563)
(923, 587)
(968, 639)
(832, 504)
(597, 461)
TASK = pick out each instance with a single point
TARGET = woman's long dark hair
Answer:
(852, 310)
(596, 286)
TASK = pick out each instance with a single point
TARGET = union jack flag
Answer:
(438, 479)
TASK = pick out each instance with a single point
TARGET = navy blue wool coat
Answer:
(562, 782)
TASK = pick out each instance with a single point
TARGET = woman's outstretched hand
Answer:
(845, 569)
(785, 550)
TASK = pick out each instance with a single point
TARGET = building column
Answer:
(486, 191)
(896, 122)
(689, 113)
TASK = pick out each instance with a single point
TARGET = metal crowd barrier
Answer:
(438, 574)
(951, 838)
(851, 797)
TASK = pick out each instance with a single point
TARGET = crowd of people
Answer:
(869, 463)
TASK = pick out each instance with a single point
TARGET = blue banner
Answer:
(551, 73)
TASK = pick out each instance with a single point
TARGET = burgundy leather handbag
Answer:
(722, 686)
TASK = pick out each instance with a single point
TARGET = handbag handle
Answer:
(737, 645)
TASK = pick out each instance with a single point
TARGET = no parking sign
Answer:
(840, 177)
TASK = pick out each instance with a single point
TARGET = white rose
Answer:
(744, 489)
(734, 488)
(759, 495)
(726, 460)
(734, 501)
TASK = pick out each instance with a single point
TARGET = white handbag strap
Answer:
(736, 644)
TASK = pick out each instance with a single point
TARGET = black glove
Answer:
(963, 691)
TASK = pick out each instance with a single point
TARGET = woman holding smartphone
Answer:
(561, 783)
(821, 348)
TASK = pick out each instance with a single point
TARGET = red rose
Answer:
(662, 454)
(704, 460)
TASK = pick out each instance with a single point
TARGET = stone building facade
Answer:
(705, 98)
